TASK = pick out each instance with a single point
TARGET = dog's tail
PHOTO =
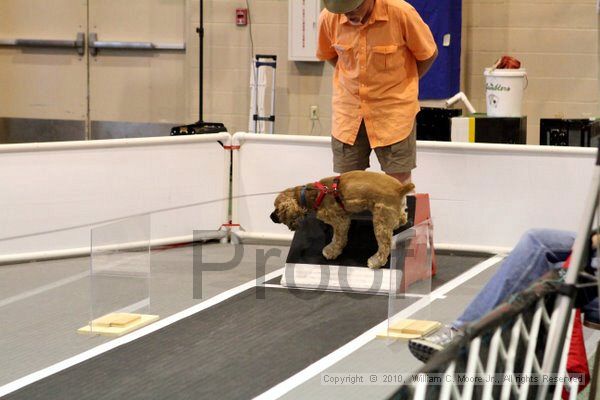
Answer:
(404, 189)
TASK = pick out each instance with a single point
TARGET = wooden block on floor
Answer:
(117, 319)
(409, 329)
(117, 324)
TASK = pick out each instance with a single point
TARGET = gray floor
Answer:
(236, 349)
(49, 300)
(42, 304)
(382, 356)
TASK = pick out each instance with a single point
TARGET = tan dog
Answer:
(382, 195)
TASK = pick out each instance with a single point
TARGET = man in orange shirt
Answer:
(380, 49)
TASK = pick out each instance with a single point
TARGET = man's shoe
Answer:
(424, 348)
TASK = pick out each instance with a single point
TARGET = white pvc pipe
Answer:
(112, 143)
(506, 148)
(268, 237)
(461, 96)
(473, 248)
(85, 251)
(240, 137)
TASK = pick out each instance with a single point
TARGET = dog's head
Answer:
(287, 210)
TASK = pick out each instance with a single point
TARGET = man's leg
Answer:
(537, 252)
(592, 314)
(348, 157)
(403, 177)
(399, 159)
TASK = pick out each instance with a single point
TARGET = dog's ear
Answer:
(405, 189)
(289, 209)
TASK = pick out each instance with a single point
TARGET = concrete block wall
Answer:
(557, 41)
(228, 52)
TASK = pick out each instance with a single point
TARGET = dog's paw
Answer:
(376, 262)
(330, 252)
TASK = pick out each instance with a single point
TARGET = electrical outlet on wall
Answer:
(314, 112)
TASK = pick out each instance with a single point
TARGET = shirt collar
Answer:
(379, 13)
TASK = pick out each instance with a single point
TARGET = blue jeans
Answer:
(592, 311)
(537, 252)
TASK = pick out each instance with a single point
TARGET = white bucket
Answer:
(504, 91)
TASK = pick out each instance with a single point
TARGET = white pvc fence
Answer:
(483, 196)
(490, 369)
(52, 187)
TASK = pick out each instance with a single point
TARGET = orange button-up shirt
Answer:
(376, 77)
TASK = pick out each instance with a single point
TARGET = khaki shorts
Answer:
(396, 158)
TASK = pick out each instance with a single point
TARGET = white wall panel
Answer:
(482, 195)
(488, 195)
(53, 187)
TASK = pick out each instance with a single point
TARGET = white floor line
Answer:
(42, 289)
(312, 370)
(276, 286)
(53, 369)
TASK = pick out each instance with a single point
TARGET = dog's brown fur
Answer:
(381, 194)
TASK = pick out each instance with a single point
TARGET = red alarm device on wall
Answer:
(241, 16)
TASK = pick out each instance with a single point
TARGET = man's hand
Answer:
(423, 66)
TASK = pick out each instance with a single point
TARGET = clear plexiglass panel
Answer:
(410, 278)
(120, 269)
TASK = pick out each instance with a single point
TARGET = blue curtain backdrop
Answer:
(443, 17)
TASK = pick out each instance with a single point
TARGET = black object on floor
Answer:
(313, 235)
(200, 127)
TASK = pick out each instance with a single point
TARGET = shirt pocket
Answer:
(386, 58)
(345, 54)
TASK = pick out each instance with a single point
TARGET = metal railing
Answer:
(501, 356)
(521, 341)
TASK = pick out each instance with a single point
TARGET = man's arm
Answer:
(423, 66)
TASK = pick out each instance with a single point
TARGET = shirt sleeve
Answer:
(417, 34)
(325, 50)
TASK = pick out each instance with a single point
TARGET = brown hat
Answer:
(342, 6)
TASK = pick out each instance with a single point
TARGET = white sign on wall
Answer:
(302, 29)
